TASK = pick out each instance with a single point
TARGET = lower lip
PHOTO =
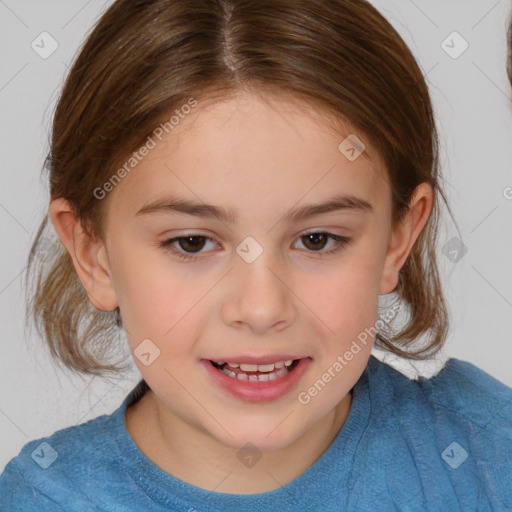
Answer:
(257, 391)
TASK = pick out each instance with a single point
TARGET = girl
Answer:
(236, 184)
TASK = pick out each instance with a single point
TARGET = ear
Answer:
(89, 256)
(405, 235)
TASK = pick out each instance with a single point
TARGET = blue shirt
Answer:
(438, 444)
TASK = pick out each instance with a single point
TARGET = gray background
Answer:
(471, 96)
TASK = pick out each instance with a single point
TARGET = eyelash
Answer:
(167, 245)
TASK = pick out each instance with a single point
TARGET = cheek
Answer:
(346, 298)
(153, 297)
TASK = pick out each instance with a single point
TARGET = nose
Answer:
(259, 297)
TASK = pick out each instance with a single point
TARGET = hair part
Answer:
(342, 56)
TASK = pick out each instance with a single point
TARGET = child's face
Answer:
(294, 300)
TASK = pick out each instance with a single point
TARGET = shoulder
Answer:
(452, 430)
(472, 398)
(49, 473)
(460, 389)
(477, 396)
(461, 396)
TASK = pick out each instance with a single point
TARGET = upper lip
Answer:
(262, 359)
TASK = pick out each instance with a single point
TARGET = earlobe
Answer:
(405, 235)
(89, 256)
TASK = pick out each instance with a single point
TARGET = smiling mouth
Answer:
(256, 373)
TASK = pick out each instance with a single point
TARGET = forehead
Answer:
(249, 152)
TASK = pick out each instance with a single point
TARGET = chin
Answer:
(264, 436)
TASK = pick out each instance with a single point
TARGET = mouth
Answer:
(257, 379)
(256, 372)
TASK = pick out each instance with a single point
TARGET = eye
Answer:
(317, 240)
(190, 244)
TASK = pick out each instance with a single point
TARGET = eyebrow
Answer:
(187, 207)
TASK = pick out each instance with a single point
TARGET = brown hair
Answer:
(145, 58)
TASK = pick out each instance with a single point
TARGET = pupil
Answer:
(315, 237)
(191, 245)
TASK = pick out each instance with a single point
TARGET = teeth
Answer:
(257, 378)
(264, 368)
(257, 367)
(267, 372)
(249, 367)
